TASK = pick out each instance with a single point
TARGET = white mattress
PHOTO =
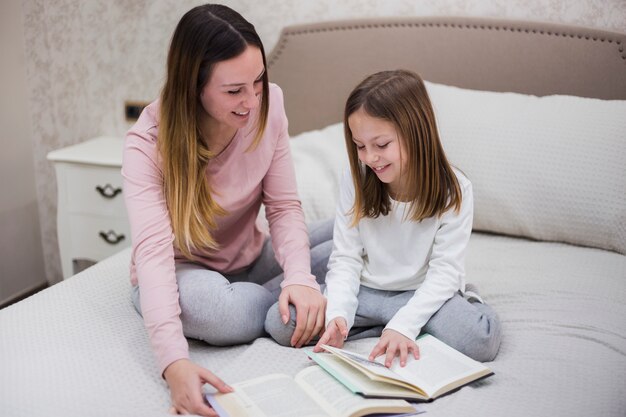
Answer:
(79, 348)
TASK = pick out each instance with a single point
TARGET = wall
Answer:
(84, 58)
(21, 255)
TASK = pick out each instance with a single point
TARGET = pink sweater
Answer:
(241, 182)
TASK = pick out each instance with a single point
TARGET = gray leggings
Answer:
(467, 325)
(226, 310)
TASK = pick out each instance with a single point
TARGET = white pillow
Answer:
(319, 157)
(547, 168)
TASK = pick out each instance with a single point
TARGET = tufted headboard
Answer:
(318, 64)
(548, 168)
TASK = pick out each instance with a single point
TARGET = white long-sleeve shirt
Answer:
(396, 254)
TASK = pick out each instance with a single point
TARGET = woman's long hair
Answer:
(432, 188)
(204, 36)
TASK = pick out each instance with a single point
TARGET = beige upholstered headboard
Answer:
(317, 65)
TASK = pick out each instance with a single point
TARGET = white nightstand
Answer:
(91, 215)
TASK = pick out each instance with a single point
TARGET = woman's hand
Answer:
(310, 307)
(335, 334)
(185, 380)
(394, 343)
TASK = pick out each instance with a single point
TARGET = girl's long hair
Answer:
(204, 36)
(432, 188)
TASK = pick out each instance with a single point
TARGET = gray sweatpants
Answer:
(226, 310)
(467, 325)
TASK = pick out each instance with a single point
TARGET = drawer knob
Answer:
(111, 237)
(108, 191)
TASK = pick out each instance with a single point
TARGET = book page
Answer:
(338, 400)
(374, 370)
(268, 396)
(357, 381)
(439, 365)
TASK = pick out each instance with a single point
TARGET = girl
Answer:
(197, 166)
(401, 230)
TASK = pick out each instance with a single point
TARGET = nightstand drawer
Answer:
(97, 237)
(94, 189)
(91, 214)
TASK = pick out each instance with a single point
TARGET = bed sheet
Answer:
(79, 348)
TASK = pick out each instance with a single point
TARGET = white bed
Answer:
(548, 252)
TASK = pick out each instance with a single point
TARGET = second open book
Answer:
(311, 393)
(439, 370)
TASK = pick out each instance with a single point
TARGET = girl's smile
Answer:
(379, 147)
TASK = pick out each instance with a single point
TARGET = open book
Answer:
(439, 370)
(312, 393)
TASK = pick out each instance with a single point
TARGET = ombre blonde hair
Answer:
(400, 97)
(204, 36)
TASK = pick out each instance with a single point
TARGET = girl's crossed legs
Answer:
(467, 325)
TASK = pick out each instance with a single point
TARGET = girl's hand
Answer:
(185, 380)
(394, 343)
(310, 307)
(335, 334)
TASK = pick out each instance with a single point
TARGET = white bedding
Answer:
(79, 348)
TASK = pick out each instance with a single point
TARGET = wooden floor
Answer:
(23, 296)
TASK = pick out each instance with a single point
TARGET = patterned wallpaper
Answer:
(84, 58)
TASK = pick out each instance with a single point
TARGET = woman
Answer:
(197, 166)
